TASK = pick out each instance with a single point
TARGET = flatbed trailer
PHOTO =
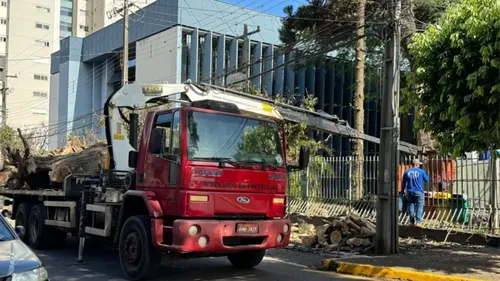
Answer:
(60, 211)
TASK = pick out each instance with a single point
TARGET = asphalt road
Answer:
(101, 264)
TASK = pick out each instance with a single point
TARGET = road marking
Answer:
(343, 275)
(285, 262)
(307, 269)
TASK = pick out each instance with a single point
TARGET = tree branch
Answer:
(25, 144)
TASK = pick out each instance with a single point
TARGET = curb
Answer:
(387, 272)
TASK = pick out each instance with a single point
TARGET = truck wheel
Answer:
(22, 215)
(247, 259)
(38, 233)
(138, 259)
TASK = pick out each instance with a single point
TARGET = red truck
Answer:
(204, 179)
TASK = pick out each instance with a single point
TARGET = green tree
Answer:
(455, 82)
(9, 138)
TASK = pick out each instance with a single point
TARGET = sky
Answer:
(274, 7)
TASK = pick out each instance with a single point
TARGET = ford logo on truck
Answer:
(243, 200)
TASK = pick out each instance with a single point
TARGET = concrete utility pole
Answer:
(386, 240)
(6, 76)
(241, 74)
(246, 48)
(113, 12)
(125, 43)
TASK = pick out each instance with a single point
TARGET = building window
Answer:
(40, 94)
(3, 21)
(42, 9)
(3, 39)
(66, 26)
(84, 27)
(42, 43)
(4, 3)
(66, 12)
(42, 26)
(40, 77)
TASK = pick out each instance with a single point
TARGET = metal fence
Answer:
(462, 194)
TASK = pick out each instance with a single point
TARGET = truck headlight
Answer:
(37, 274)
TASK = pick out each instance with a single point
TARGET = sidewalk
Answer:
(450, 263)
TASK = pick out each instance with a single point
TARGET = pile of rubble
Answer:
(351, 233)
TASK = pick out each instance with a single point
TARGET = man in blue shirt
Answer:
(413, 184)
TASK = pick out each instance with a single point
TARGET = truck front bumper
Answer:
(219, 236)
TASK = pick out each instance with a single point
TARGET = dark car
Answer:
(17, 261)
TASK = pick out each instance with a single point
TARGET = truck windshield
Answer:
(220, 137)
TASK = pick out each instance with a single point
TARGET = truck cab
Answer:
(216, 181)
(212, 164)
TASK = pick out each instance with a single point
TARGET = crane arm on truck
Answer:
(320, 121)
(135, 96)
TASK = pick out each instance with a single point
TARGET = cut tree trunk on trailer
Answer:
(24, 171)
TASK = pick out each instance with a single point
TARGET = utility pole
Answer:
(246, 50)
(6, 62)
(241, 74)
(125, 43)
(386, 239)
(113, 12)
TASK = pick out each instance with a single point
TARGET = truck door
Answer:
(161, 170)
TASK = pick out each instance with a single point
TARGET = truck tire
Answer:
(247, 259)
(38, 233)
(22, 216)
(138, 258)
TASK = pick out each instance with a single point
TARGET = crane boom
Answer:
(135, 96)
(319, 121)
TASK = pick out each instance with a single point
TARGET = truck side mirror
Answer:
(304, 157)
(158, 141)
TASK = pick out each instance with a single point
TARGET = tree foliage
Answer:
(9, 138)
(296, 137)
(456, 78)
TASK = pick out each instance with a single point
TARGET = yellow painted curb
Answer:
(387, 272)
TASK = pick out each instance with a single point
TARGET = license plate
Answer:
(247, 228)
